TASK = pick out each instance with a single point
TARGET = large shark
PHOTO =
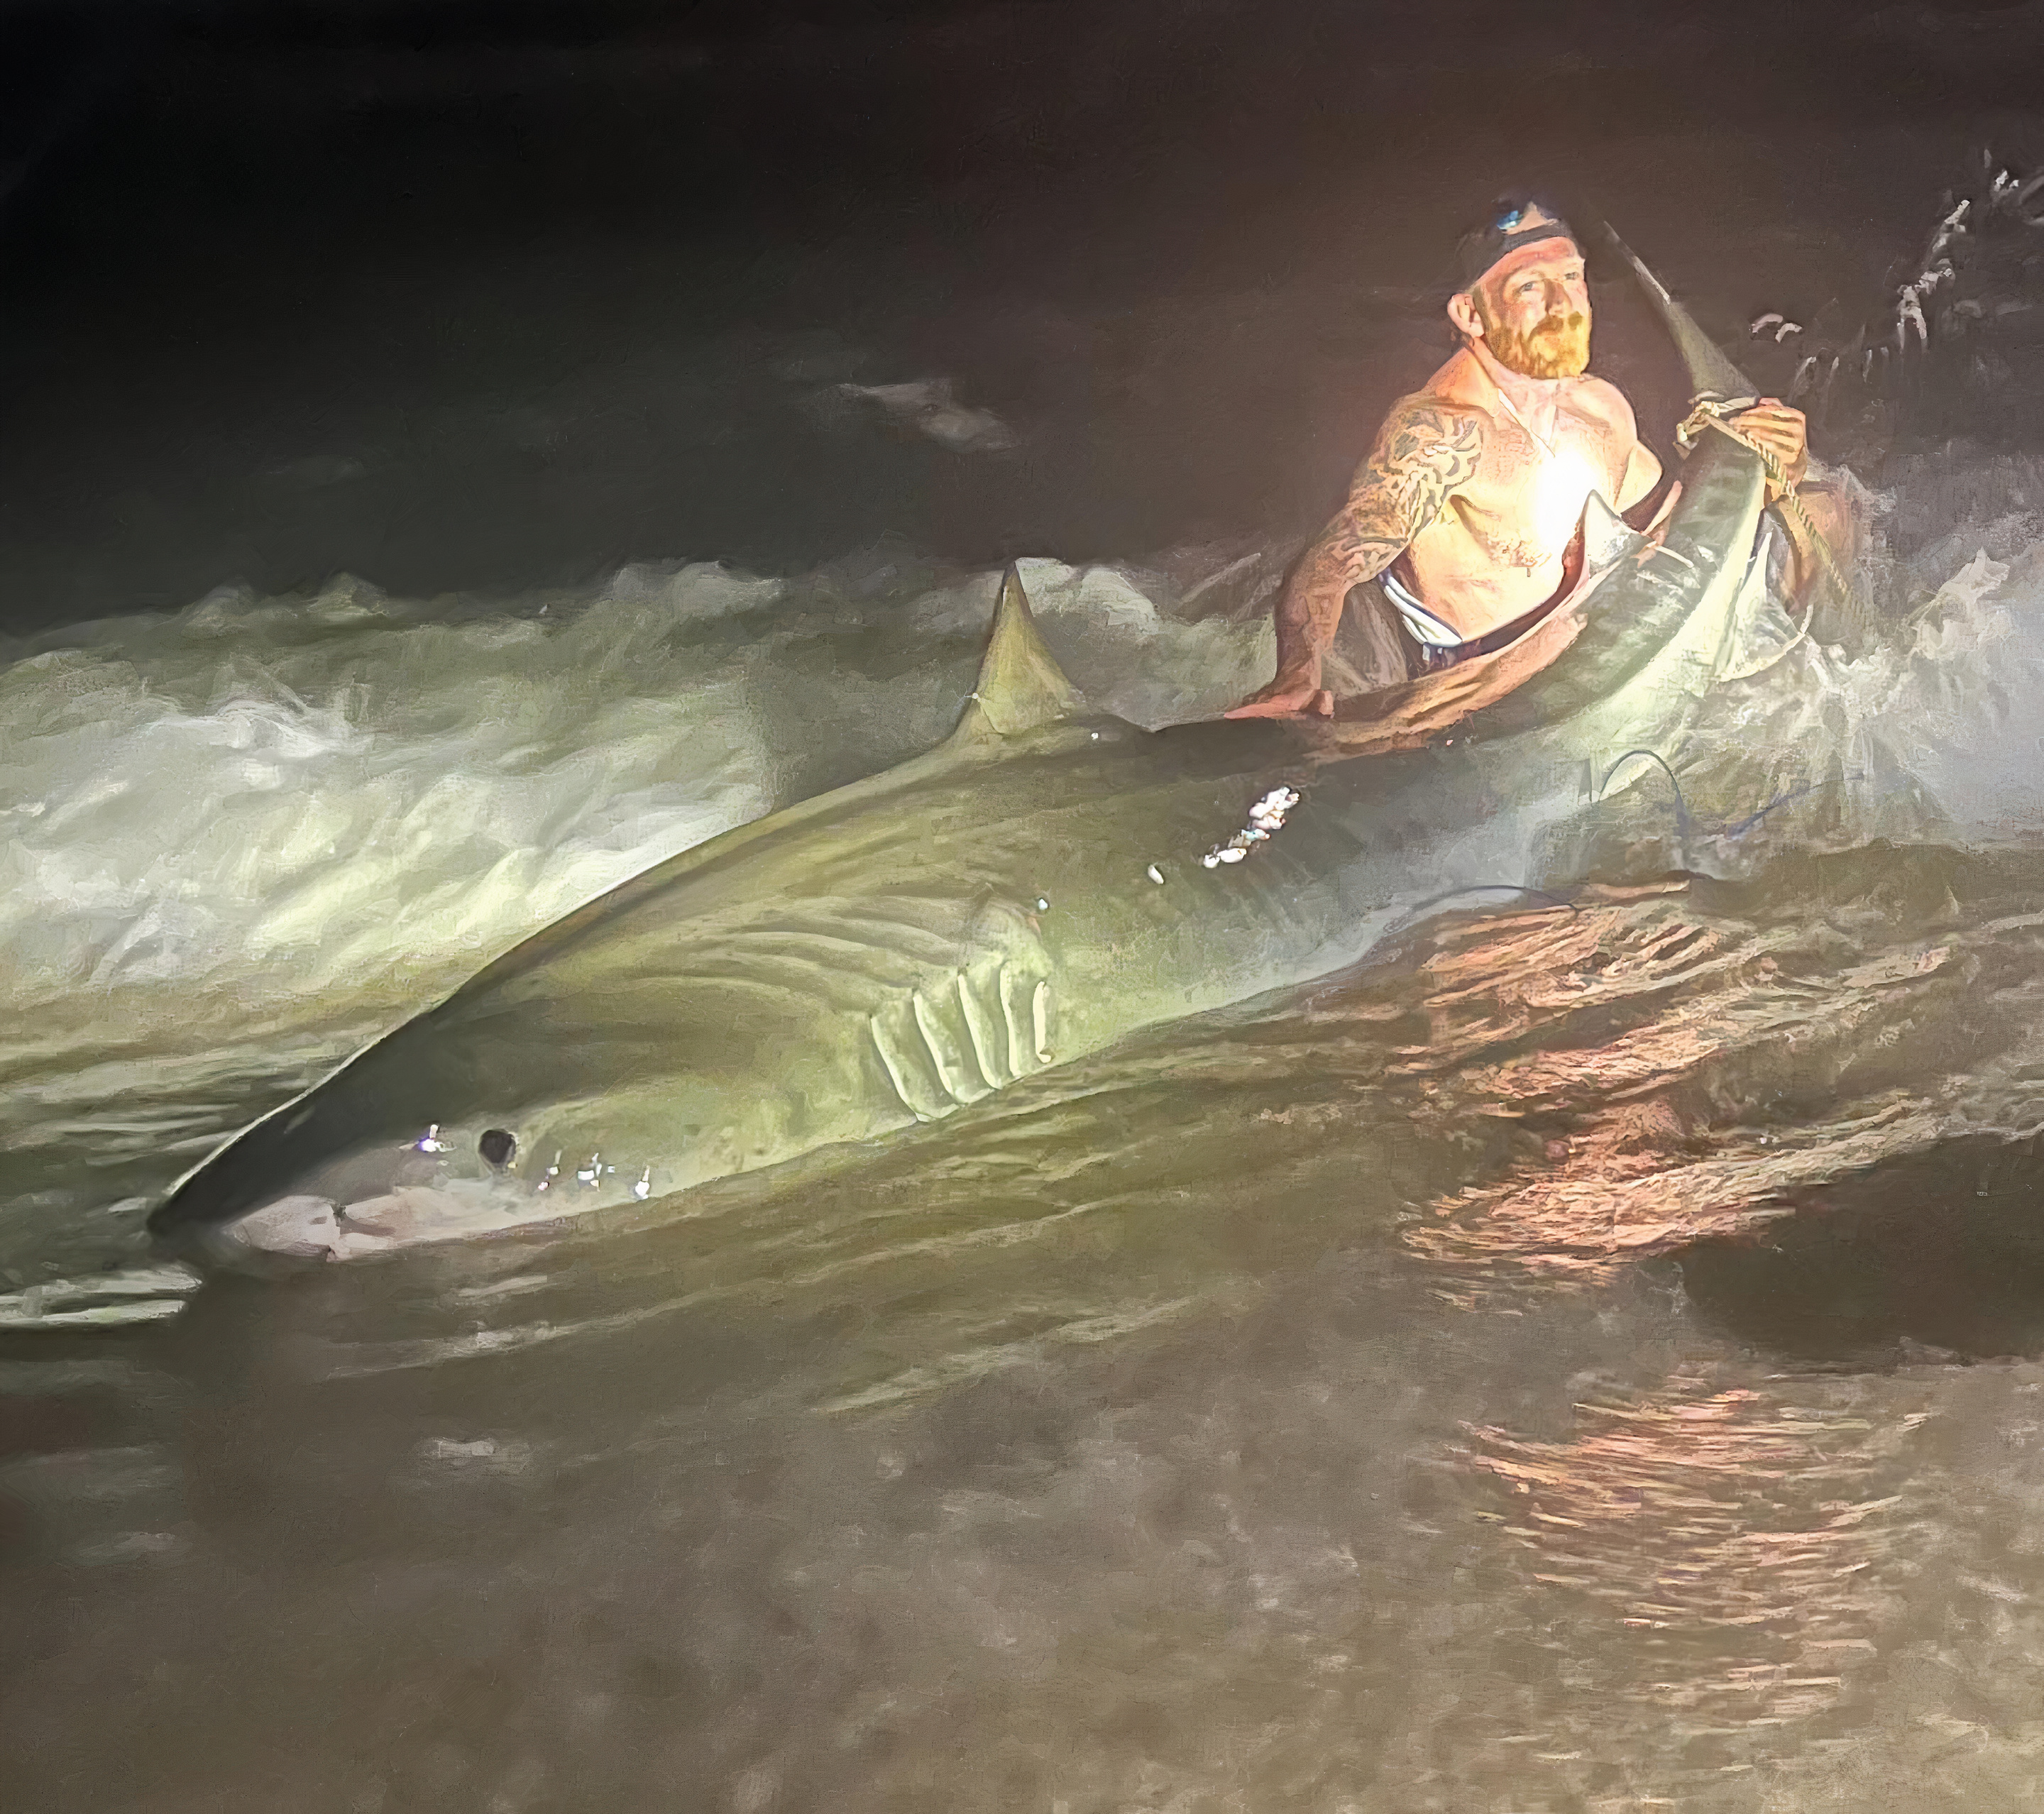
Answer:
(1039, 887)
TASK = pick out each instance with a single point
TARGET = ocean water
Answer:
(1587, 1359)
(262, 827)
(1579, 1360)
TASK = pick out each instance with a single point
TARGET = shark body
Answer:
(1039, 887)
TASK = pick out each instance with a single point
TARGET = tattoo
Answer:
(1425, 451)
(1516, 550)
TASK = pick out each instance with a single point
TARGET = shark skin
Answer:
(1040, 886)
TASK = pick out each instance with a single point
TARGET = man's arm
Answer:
(1426, 450)
(1642, 466)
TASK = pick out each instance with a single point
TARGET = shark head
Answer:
(366, 1162)
(379, 1193)
(713, 1015)
(465, 1123)
(363, 1162)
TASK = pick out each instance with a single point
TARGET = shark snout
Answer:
(305, 1226)
(302, 1226)
(293, 1228)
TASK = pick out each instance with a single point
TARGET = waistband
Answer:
(1440, 647)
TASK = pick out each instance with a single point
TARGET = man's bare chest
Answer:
(1518, 453)
(1520, 505)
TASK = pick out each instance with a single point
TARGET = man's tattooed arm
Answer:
(1426, 452)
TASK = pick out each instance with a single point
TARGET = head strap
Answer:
(1513, 222)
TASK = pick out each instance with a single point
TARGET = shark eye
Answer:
(497, 1145)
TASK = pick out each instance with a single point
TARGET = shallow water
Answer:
(1587, 1358)
(1524, 1374)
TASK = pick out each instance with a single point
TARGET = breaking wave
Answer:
(352, 798)
(240, 839)
(245, 837)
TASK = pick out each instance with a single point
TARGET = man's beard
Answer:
(1558, 347)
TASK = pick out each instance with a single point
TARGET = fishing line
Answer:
(1714, 413)
(1684, 820)
(1684, 824)
(1681, 804)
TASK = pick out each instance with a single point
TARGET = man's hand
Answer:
(1295, 691)
(1772, 425)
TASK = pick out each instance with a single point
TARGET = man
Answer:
(1462, 527)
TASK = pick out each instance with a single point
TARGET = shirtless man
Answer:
(1466, 512)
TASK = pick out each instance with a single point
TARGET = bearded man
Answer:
(1463, 526)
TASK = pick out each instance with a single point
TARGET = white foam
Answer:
(928, 406)
(351, 800)
(342, 795)
(1931, 729)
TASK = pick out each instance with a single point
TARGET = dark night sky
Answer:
(182, 135)
(276, 230)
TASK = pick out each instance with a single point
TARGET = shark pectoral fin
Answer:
(1021, 684)
(1607, 536)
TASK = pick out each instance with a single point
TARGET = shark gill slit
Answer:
(1020, 1055)
(947, 1058)
(980, 1033)
(895, 1074)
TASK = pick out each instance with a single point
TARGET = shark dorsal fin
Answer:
(1021, 684)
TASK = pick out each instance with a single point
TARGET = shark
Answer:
(1044, 883)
